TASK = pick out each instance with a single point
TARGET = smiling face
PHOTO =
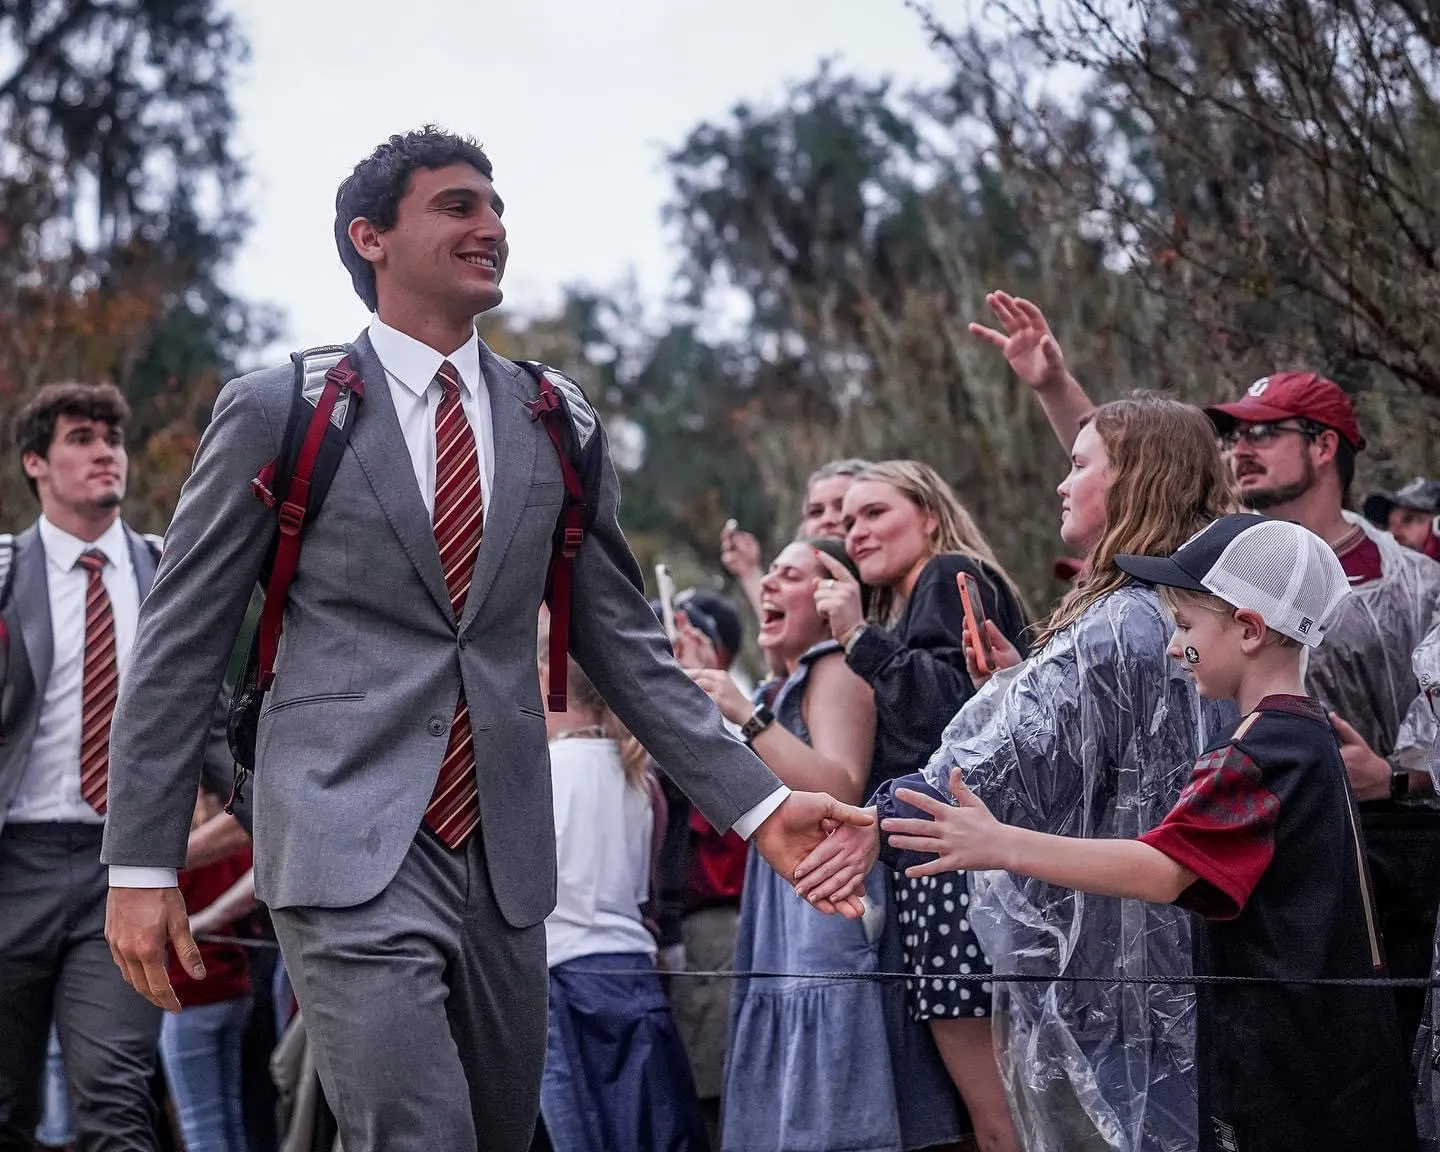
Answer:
(1083, 491)
(84, 470)
(789, 624)
(447, 249)
(824, 508)
(886, 534)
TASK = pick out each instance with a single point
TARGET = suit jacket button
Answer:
(463, 641)
(438, 727)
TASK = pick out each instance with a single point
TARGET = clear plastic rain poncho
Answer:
(1417, 748)
(1362, 671)
(1094, 736)
(1422, 723)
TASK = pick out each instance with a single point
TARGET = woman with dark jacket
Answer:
(911, 540)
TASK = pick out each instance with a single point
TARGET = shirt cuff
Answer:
(746, 825)
(132, 876)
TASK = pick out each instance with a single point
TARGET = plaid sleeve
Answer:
(1223, 830)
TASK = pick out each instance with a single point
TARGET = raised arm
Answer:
(1035, 356)
(840, 713)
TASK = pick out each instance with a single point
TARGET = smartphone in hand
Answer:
(666, 585)
(975, 632)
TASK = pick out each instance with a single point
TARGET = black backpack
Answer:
(327, 397)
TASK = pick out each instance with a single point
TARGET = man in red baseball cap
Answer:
(1291, 442)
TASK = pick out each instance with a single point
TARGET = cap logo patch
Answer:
(1305, 623)
(1258, 388)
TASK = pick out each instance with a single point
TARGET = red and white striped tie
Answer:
(454, 810)
(97, 697)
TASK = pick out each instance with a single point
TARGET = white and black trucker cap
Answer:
(1282, 572)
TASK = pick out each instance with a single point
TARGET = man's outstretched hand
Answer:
(794, 830)
(139, 923)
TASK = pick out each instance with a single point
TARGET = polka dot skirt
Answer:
(933, 913)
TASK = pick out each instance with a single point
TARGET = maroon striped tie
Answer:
(454, 810)
(100, 687)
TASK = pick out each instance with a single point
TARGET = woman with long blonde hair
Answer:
(1093, 735)
(911, 540)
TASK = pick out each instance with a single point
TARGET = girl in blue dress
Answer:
(810, 1065)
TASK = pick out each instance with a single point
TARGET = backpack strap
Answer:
(323, 377)
(574, 429)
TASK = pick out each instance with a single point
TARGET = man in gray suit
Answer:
(404, 837)
(77, 578)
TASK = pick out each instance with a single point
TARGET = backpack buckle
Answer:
(292, 515)
(545, 403)
(570, 541)
(260, 486)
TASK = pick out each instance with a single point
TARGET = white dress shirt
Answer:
(49, 788)
(603, 832)
(410, 369)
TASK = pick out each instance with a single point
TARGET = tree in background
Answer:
(1266, 172)
(117, 210)
(1197, 194)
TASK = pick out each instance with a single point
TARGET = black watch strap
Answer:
(759, 720)
(1399, 783)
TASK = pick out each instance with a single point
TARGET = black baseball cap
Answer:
(1196, 558)
(730, 631)
(1420, 495)
(1277, 569)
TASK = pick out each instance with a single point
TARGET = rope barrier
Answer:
(977, 977)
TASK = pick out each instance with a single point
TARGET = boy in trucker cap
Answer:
(1263, 846)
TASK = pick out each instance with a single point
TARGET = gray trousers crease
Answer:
(426, 1011)
(54, 962)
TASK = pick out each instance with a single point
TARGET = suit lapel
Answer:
(31, 596)
(380, 449)
(514, 471)
(142, 560)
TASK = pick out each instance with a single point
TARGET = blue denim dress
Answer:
(823, 1065)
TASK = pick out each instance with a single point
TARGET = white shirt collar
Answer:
(63, 549)
(414, 364)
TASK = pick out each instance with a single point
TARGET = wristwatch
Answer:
(759, 720)
(1399, 783)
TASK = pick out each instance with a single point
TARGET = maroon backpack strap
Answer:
(340, 379)
(570, 536)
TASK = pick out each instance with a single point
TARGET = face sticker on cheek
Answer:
(1191, 656)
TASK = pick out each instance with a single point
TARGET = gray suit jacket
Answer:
(27, 668)
(372, 660)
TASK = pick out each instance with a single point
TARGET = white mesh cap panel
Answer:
(1284, 572)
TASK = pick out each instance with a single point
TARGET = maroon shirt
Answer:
(227, 967)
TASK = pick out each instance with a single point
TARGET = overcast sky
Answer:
(576, 103)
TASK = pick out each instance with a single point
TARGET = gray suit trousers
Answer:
(426, 1010)
(54, 960)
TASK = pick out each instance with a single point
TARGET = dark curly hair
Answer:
(374, 190)
(34, 429)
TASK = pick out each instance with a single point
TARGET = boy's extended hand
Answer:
(837, 868)
(963, 836)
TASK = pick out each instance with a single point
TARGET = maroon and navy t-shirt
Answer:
(1268, 825)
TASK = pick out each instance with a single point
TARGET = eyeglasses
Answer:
(1258, 435)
